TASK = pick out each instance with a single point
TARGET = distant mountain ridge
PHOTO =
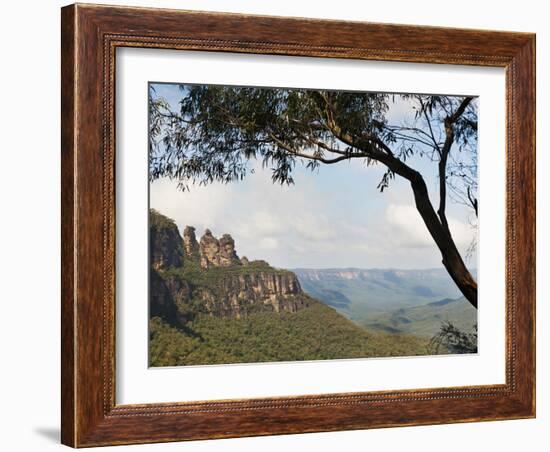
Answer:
(359, 293)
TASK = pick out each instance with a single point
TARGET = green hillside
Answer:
(312, 333)
(425, 320)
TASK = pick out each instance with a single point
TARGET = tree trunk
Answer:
(451, 257)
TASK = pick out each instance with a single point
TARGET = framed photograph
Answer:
(280, 225)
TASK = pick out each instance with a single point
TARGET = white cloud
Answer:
(269, 243)
(400, 110)
(201, 206)
(409, 230)
(308, 225)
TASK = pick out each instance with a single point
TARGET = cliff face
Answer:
(208, 277)
(169, 297)
(165, 244)
(236, 295)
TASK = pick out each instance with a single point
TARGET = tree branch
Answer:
(472, 199)
(436, 144)
(442, 166)
(461, 108)
(298, 153)
(445, 150)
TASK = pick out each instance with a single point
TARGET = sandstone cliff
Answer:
(236, 295)
(208, 277)
(165, 245)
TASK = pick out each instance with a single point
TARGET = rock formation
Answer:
(268, 290)
(209, 250)
(165, 245)
(228, 255)
(224, 286)
(217, 253)
(190, 244)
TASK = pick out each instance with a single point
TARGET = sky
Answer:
(332, 217)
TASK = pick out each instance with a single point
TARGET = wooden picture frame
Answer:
(90, 36)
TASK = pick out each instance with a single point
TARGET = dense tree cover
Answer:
(316, 332)
(218, 130)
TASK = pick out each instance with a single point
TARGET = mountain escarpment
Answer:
(189, 277)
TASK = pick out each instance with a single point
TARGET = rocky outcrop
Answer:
(217, 253)
(190, 244)
(165, 244)
(228, 255)
(207, 277)
(238, 295)
(209, 250)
